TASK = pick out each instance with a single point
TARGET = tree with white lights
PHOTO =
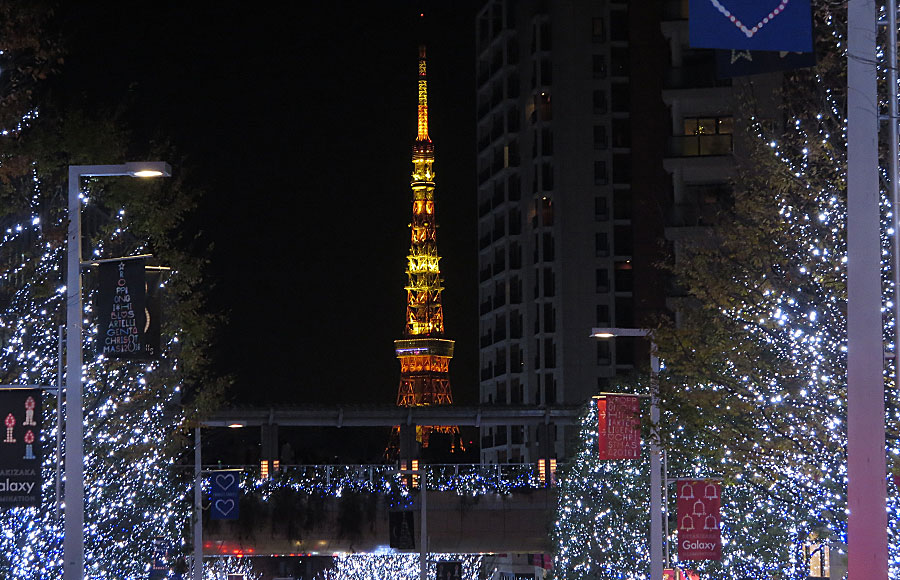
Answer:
(134, 412)
(754, 389)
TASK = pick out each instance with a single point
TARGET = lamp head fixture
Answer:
(148, 169)
(614, 332)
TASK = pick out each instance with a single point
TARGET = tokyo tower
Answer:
(423, 351)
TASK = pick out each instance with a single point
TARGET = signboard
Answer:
(159, 567)
(225, 495)
(619, 424)
(402, 530)
(127, 319)
(699, 536)
(20, 448)
(449, 570)
(751, 24)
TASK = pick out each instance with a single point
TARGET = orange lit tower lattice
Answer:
(423, 351)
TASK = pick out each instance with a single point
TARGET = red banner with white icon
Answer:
(619, 421)
(699, 535)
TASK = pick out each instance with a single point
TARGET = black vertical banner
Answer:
(127, 326)
(152, 310)
(450, 570)
(20, 448)
(401, 530)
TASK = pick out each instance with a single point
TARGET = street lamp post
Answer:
(657, 539)
(423, 520)
(73, 538)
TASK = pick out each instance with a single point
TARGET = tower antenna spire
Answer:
(423, 97)
(424, 351)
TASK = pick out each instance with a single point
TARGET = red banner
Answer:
(619, 420)
(699, 537)
(676, 574)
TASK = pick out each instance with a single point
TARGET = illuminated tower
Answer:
(423, 351)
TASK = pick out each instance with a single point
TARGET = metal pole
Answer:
(891, 6)
(198, 507)
(59, 424)
(73, 527)
(866, 463)
(73, 540)
(423, 531)
(656, 481)
(665, 481)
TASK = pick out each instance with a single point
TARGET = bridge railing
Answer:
(464, 479)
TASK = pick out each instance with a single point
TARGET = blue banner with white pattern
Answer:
(225, 494)
(784, 25)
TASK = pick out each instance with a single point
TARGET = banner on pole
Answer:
(619, 426)
(20, 449)
(225, 495)
(679, 574)
(751, 24)
(127, 313)
(449, 570)
(699, 536)
(402, 530)
(159, 567)
(152, 313)
(738, 63)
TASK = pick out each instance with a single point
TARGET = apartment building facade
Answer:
(604, 142)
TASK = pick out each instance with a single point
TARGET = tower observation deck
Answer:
(424, 351)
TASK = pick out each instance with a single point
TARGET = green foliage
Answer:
(136, 414)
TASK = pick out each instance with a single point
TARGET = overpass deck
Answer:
(345, 509)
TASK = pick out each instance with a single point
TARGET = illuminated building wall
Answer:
(423, 351)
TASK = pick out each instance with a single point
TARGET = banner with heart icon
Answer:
(783, 25)
(225, 494)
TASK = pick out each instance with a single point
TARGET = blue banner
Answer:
(751, 24)
(159, 567)
(225, 495)
(737, 63)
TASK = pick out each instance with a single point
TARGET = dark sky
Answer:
(298, 123)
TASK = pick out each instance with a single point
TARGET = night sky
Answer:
(298, 123)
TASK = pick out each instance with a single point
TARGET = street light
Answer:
(423, 521)
(73, 538)
(657, 539)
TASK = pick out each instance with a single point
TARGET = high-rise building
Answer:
(603, 142)
(424, 351)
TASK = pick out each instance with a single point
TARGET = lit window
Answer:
(819, 560)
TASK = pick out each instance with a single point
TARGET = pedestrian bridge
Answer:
(346, 509)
